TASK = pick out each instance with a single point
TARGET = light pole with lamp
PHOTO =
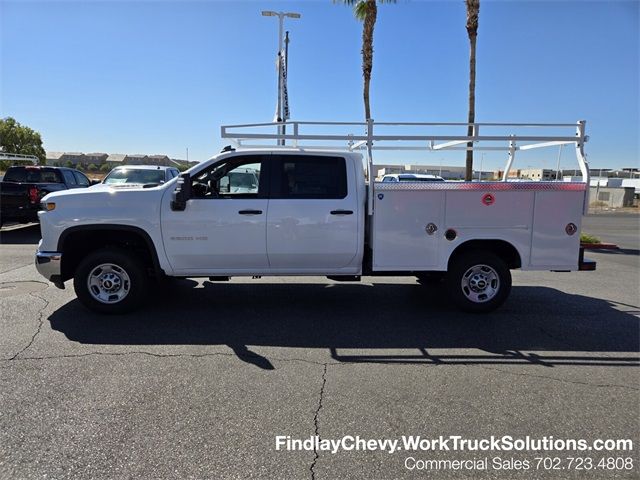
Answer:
(280, 107)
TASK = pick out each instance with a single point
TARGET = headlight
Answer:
(48, 206)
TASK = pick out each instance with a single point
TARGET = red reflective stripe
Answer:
(486, 186)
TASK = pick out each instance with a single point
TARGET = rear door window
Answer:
(69, 178)
(312, 177)
(81, 179)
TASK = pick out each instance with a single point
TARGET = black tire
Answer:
(478, 281)
(126, 267)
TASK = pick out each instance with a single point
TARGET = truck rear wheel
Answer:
(478, 281)
(110, 281)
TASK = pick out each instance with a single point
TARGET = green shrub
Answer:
(586, 238)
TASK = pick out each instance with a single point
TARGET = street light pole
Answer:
(558, 163)
(280, 106)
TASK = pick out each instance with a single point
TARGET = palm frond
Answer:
(361, 7)
(473, 11)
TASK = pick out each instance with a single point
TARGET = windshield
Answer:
(131, 175)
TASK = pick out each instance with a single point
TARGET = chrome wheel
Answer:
(480, 283)
(108, 283)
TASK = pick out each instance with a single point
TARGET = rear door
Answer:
(312, 223)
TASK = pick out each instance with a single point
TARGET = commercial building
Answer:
(112, 160)
(542, 174)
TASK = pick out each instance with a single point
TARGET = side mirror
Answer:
(182, 193)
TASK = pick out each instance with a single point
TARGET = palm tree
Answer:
(473, 10)
(367, 12)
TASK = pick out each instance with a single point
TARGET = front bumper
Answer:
(48, 265)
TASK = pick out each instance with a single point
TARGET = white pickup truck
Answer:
(315, 211)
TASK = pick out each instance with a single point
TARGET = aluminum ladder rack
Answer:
(415, 136)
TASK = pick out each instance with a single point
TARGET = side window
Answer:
(236, 177)
(313, 177)
(81, 179)
(50, 176)
(69, 179)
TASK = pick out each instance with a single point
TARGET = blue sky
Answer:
(161, 76)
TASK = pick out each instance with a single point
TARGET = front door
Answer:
(223, 227)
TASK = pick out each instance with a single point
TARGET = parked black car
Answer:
(23, 187)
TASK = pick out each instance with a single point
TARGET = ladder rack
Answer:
(370, 136)
(17, 157)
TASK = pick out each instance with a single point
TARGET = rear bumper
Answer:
(584, 264)
(19, 215)
(48, 265)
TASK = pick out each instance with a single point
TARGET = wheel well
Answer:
(78, 243)
(501, 248)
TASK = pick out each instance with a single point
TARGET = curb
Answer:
(599, 246)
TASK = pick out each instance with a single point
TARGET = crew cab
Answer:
(306, 211)
(23, 187)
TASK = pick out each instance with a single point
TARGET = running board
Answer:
(344, 278)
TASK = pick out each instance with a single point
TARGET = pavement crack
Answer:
(561, 380)
(316, 455)
(39, 327)
(163, 355)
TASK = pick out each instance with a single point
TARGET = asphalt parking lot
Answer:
(200, 383)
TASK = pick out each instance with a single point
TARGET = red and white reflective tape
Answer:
(486, 186)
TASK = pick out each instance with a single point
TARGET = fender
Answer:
(115, 227)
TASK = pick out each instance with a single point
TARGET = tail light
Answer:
(33, 195)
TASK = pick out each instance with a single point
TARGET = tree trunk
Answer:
(367, 52)
(472, 103)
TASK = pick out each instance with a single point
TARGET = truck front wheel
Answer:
(110, 281)
(478, 281)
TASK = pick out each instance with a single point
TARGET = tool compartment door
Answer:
(553, 245)
(400, 240)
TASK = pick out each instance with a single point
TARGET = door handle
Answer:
(250, 212)
(341, 212)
